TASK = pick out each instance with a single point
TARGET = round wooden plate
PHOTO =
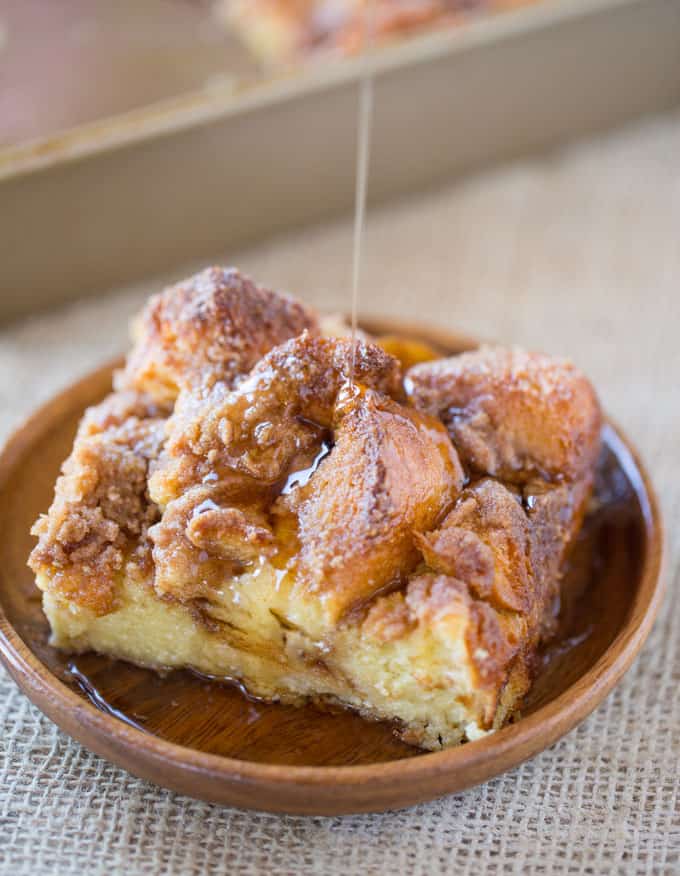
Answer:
(210, 741)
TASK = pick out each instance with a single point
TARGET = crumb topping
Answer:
(216, 325)
(101, 513)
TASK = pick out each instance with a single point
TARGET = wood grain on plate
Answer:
(210, 741)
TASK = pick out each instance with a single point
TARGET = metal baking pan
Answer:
(113, 201)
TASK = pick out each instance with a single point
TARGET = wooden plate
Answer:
(210, 741)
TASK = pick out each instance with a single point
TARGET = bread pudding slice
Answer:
(282, 31)
(263, 499)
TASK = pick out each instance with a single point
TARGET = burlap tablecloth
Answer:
(576, 252)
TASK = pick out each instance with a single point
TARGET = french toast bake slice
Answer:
(261, 501)
(282, 31)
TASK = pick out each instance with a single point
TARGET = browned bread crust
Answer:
(216, 325)
(512, 415)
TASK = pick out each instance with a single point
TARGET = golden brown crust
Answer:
(209, 329)
(231, 533)
(213, 326)
(477, 565)
(100, 516)
(248, 439)
(534, 423)
(555, 512)
(484, 541)
(240, 447)
(425, 599)
(512, 414)
(392, 472)
(203, 541)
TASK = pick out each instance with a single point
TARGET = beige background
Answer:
(576, 252)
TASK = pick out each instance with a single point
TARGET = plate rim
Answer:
(378, 786)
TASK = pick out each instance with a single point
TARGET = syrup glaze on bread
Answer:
(393, 543)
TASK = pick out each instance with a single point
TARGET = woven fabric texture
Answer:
(576, 252)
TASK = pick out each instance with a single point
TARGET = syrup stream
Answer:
(364, 124)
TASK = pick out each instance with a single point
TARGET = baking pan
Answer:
(113, 201)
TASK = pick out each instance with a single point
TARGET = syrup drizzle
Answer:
(301, 477)
(364, 125)
(98, 699)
